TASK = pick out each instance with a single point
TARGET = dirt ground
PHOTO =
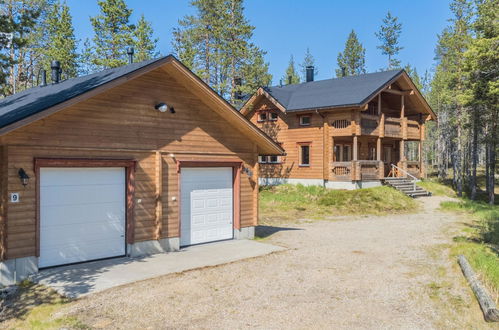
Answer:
(390, 272)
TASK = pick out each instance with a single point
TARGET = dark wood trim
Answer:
(236, 185)
(128, 164)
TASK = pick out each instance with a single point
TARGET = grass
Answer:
(437, 188)
(479, 240)
(33, 307)
(290, 202)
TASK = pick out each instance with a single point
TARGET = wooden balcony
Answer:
(357, 170)
(401, 128)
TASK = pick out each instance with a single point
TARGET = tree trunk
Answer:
(474, 154)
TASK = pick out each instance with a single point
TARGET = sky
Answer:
(287, 27)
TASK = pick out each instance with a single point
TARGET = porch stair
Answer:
(406, 186)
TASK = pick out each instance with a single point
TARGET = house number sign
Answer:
(14, 197)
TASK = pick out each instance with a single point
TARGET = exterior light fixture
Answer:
(248, 172)
(23, 177)
(163, 107)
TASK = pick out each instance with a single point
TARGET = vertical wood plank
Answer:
(159, 194)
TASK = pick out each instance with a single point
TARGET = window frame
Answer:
(273, 114)
(300, 154)
(262, 113)
(263, 159)
(277, 161)
(300, 118)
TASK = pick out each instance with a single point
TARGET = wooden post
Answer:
(378, 149)
(402, 151)
(326, 148)
(379, 104)
(382, 126)
(402, 106)
(355, 147)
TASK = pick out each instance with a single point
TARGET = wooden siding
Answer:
(122, 124)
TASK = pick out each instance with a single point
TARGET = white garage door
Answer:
(206, 212)
(82, 214)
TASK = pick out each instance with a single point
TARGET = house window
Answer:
(273, 159)
(268, 159)
(262, 116)
(343, 152)
(305, 120)
(372, 152)
(273, 116)
(304, 155)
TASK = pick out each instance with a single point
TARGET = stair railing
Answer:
(398, 169)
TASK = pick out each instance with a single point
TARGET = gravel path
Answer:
(360, 272)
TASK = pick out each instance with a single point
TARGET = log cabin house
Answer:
(342, 133)
(135, 160)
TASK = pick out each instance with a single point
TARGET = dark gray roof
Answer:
(346, 91)
(31, 101)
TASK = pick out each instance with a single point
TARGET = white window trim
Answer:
(263, 159)
(270, 117)
(305, 124)
(262, 120)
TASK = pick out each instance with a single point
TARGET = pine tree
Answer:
(144, 42)
(481, 62)
(18, 20)
(308, 60)
(352, 60)
(216, 44)
(61, 42)
(388, 35)
(415, 77)
(113, 33)
(291, 76)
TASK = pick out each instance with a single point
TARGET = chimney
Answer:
(310, 73)
(290, 80)
(130, 52)
(44, 77)
(55, 66)
(237, 93)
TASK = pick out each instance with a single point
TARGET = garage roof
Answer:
(38, 102)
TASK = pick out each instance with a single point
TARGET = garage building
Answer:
(129, 161)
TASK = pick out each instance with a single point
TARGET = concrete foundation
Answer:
(278, 181)
(244, 233)
(343, 185)
(16, 270)
(146, 248)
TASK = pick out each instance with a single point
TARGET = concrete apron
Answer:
(82, 279)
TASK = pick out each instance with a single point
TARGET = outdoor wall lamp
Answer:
(248, 172)
(163, 107)
(23, 177)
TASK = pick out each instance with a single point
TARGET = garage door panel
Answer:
(75, 253)
(207, 202)
(81, 195)
(82, 214)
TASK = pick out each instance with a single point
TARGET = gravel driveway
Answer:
(358, 272)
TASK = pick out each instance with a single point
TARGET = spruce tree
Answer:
(352, 60)
(388, 35)
(61, 42)
(113, 33)
(308, 60)
(291, 76)
(145, 43)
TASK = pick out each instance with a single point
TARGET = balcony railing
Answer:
(387, 126)
(357, 170)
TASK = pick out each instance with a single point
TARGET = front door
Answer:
(387, 158)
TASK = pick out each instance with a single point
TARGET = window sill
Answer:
(304, 165)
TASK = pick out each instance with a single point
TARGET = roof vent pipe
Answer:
(310, 73)
(290, 80)
(43, 73)
(130, 52)
(55, 66)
